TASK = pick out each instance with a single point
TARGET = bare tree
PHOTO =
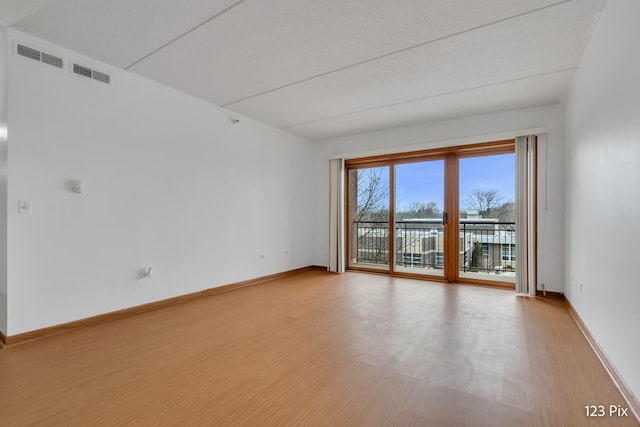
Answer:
(483, 200)
(417, 209)
(370, 239)
(371, 193)
(506, 212)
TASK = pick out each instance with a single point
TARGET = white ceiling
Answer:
(327, 68)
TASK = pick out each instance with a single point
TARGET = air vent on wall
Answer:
(29, 52)
(52, 60)
(92, 74)
(35, 54)
(104, 78)
(83, 71)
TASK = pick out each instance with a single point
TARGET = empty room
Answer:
(300, 212)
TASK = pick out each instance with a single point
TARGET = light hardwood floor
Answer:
(318, 349)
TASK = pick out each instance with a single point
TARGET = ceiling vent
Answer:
(92, 74)
(29, 52)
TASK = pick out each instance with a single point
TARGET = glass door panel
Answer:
(368, 234)
(487, 218)
(419, 229)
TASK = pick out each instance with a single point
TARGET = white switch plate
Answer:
(24, 207)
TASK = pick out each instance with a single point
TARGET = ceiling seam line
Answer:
(508, 18)
(427, 97)
(223, 11)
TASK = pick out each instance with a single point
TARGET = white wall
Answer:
(603, 187)
(550, 215)
(3, 180)
(169, 183)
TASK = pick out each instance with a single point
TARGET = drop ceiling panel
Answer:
(510, 50)
(12, 11)
(118, 32)
(266, 44)
(331, 66)
(540, 90)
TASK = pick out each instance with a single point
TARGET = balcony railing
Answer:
(420, 244)
(372, 242)
(489, 247)
(486, 247)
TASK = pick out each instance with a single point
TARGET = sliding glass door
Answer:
(369, 215)
(444, 214)
(487, 217)
(419, 212)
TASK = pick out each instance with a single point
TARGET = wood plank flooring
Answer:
(318, 349)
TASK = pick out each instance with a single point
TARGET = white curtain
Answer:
(336, 215)
(526, 151)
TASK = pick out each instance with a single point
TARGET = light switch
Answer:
(24, 207)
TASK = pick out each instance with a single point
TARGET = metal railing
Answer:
(420, 244)
(484, 246)
(372, 242)
(489, 247)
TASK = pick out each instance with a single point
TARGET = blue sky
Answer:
(424, 181)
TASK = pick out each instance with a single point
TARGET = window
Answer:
(509, 252)
(412, 260)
